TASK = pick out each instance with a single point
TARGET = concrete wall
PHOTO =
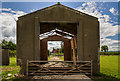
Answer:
(28, 34)
(67, 50)
(5, 56)
(44, 50)
(91, 43)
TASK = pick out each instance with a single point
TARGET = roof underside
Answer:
(53, 38)
(70, 28)
(56, 32)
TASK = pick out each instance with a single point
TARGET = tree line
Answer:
(9, 45)
(12, 48)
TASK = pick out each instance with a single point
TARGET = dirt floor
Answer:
(55, 58)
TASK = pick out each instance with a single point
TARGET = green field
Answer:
(11, 69)
(108, 66)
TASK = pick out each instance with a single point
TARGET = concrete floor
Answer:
(61, 78)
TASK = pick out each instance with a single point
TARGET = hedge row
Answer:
(109, 53)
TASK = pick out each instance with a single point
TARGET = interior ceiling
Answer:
(56, 32)
(66, 27)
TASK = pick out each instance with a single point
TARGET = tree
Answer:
(62, 49)
(104, 48)
(8, 45)
(48, 52)
(11, 45)
(4, 44)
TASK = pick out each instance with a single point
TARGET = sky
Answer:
(106, 12)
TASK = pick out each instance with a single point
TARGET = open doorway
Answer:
(55, 50)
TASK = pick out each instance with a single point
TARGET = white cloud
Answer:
(8, 24)
(5, 9)
(112, 44)
(113, 11)
(83, 4)
(106, 28)
(54, 44)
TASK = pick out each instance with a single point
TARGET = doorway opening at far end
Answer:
(55, 50)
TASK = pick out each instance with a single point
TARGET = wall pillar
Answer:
(80, 41)
(67, 50)
(37, 47)
(44, 51)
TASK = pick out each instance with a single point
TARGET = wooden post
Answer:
(91, 67)
(74, 57)
(27, 68)
(76, 54)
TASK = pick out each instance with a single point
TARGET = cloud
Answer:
(5, 9)
(8, 24)
(54, 44)
(106, 28)
(113, 45)
(113, 11)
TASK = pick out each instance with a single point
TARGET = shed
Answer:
(82, 28)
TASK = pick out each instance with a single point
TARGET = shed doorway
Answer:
(57, 31)
(55, 50)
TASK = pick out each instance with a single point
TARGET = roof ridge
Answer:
(60, 5)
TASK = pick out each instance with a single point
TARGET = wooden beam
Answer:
(67, 27)
(63, 34)
(74, 58)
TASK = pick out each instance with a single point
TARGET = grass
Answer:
(61, 57)
(108, 66)
(12, 68)
(49, 57)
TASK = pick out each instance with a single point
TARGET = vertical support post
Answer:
(98, 57)
(74, 60)
(37, 30)
(27, 68)
(75, 41)
(91, 68)
(80, 41)
(67, 50)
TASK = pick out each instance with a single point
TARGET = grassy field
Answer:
(11, 69)
(108, 66)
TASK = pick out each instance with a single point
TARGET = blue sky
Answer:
(107, 13)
